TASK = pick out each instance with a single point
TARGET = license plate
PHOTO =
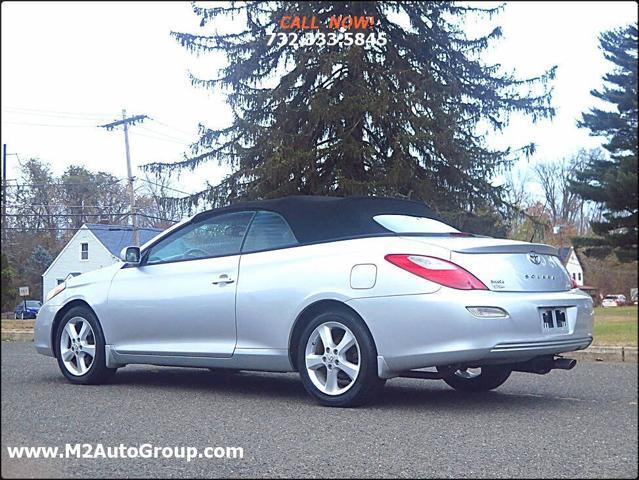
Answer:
(554, 319)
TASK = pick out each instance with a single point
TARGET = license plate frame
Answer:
(554, 320)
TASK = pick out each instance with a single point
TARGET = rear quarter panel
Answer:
(274, 287)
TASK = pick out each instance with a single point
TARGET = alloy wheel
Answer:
(77, 346)
(332, 358)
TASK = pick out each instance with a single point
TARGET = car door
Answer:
(271, 286)
(180, 300)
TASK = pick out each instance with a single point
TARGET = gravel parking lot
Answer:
(581, 423)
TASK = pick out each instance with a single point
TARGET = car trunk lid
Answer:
(505, 265)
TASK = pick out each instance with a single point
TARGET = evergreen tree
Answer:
(9, 292)
(36, 264)
(613, 182)
(405, 119)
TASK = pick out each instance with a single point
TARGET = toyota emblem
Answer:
(534, 258)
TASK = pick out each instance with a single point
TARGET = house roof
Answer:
(564, 254)
(116, 237)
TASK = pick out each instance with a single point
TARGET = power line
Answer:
(49, 215)
(54, 229)
(64, 184)
(163, 134)
(66, 206)
(73, 215)
(164, 186)
(71, 184)
(47, 124)
(55, 115)
(39, 229)
(164, 139)
(171, 127)
(153, 217)
(94, 114)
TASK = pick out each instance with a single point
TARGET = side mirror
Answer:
(130, 255)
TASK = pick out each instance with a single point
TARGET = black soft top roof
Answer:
(320, 219)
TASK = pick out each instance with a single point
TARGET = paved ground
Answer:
(581, 423)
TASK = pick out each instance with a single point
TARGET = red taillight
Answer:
(437, 270)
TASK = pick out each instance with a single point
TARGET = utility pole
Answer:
(4, 192)
(134, 216)
(125, 122)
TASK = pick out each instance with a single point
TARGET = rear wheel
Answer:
(479, 379)
(80, 348)
(337, 360)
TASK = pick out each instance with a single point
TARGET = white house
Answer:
(570, 260)
(94, 246)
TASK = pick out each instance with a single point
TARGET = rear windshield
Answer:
(409, 224)
(33, 303)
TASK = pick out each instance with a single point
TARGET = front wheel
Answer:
(479, 379)
(80, 348)
(337, 360)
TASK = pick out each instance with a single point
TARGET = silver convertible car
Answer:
(349, 292)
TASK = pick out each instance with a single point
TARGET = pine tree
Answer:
(406, 119)
(32, 271)
(8, 291)
(613, 182)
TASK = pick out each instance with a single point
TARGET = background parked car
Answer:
(613, 301)
(27, 309)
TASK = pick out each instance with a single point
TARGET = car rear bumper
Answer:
(417, 331)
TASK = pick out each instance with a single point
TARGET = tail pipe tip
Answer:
(545, 364)
(564, 363)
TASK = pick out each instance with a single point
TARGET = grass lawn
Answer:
(616, 326)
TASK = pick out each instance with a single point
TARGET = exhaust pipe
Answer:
(565, 363)
(543, 365)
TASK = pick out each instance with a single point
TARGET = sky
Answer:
(68, 67)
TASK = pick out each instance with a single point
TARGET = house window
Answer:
(574, 276)
(60, 280)
(579, 276)
(84, 251)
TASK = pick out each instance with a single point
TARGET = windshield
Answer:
(409, 224)
(33, 303)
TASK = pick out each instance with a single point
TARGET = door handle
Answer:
(223, 280)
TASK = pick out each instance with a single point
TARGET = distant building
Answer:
(570, 260)
(94, 246)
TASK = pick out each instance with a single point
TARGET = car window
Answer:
(409, 224)
(268, 231)
(214, 237)
(33, 303)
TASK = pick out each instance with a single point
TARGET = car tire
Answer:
(324, 373)
(79, 346)
(489, 378)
